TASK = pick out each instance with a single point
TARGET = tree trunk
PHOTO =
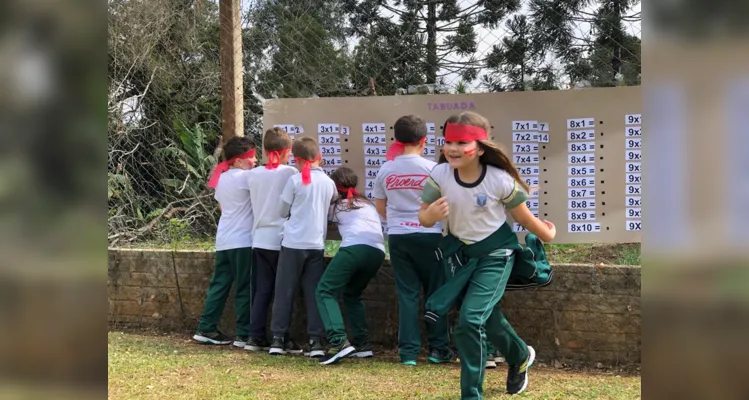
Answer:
(431, 67)
(232, 100)
(618, 39)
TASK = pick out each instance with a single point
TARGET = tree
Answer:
(164, 113)
(515, 61)
(295, 49)
(389, 55)
(606, 56)
(447, 25)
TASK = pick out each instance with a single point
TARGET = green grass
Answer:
(609, 254)
(170, 367)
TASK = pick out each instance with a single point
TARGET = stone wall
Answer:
(588, 315)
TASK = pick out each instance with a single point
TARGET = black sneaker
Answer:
(362, 351)
(240, 341)
(292, 347)
(257, 344)
(517, 375)
(211, 337)
(335, 353)
(277, 347)
(441, 356)
(316, 349)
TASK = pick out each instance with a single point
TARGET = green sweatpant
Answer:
(479, 316)
(230, 266)
(349, 273)
(416, 267)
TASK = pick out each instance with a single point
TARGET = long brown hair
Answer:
(345, 178)
(494, 153)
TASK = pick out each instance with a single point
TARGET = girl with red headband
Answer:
(357, 261)
(266, 185)
(233, 261)
(470, 190)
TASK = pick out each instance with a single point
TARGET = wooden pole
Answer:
(232, 100)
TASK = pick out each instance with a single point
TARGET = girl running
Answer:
(358, 259)
(470, 189)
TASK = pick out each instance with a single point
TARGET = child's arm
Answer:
(381, 206)
(380, 195)
(545, 230)
(515, 202)
(287, 198)
(434, 206)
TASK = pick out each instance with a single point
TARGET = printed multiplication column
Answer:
(633, 171)
(526, 159)
(581, 182)
(375, 147)
(429, 152)
(329, 139)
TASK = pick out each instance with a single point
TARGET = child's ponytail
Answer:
(345, 181)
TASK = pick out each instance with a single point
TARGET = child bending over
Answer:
(358, 259)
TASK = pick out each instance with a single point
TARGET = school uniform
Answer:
(412, 247)
(302, 251)
(233, 260)
(266, 186)
(357, 261)
(480, 259)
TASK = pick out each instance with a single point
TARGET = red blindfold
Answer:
(464, 133)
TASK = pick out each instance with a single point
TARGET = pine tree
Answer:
(448, 29)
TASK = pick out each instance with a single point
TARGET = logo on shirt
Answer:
(481, 200)
(412, 181)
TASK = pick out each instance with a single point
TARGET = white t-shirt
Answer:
(401, 181)
(360, 226)
(235, 225)
(477, 209)
(308, 223)
(266, 187)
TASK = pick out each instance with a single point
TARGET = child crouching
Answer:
(358, 259)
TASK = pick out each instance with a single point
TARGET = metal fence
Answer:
(165, 74)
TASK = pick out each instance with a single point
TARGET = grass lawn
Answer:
(169, 367)
(609, 254)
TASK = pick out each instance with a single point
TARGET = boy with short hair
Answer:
(306, 199)
(397, 195)
(233, 261)
(266, 186)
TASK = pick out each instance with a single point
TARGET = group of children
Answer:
(447, 234)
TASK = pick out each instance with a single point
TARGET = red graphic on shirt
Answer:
(411, 224)
(398, 182)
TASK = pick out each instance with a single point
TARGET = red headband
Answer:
(306, 168)
(397, 148)
(350, 192)
(224, 166)
(274, 158)
(463, 133)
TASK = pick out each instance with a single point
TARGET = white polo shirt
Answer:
(308, 223)
(358, 226)
(235, 224)
(266, 187)
(401, 181)
(477, 209)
